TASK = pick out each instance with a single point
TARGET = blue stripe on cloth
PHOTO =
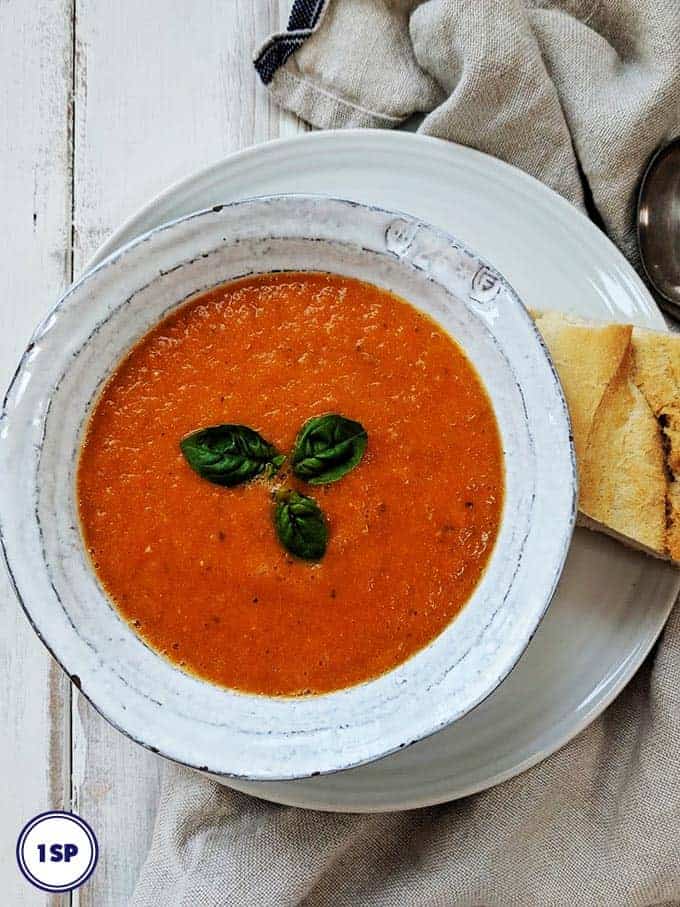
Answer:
(302, 21)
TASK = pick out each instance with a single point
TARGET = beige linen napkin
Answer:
(578, 93)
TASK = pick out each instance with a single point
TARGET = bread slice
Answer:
(657, 374)
(623, 482)
(673, 520)
(622, 386)
(656, 359)
(587, 357)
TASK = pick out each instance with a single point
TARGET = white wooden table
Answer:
(102, 104)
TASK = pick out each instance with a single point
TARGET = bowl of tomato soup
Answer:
(291, 485)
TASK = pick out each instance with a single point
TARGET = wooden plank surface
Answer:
(35, 175)
(102, 105)
(162, 88)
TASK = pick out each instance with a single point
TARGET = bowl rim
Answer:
(446, 237)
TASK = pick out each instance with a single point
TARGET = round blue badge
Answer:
(57, 851)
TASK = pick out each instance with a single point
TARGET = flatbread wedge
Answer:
(587, 357)
(623, 483)
(656, 359)
(622, 386)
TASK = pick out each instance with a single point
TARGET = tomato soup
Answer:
(197, 568)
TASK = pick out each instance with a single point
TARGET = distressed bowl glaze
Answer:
(75, 350)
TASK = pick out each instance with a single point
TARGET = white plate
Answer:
(611, 603)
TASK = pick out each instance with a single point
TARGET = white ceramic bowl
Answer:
(76, 348)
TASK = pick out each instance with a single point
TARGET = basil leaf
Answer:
(230, 454)
(300, 525)
(327, 447)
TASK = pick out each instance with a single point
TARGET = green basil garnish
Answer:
(230, 454)
(327, 447)
(300, 525)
